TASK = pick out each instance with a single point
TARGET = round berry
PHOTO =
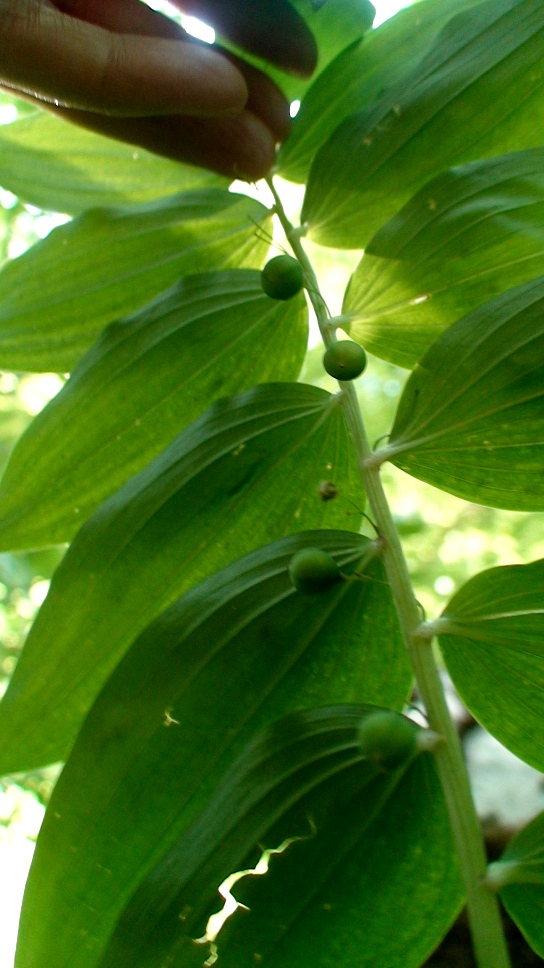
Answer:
(313, 571)
(282, 277)
(387, 738)
(345, 360)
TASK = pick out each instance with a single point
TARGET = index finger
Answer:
(59, 58)
(269, 28)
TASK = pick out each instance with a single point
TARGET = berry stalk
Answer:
(483, 909)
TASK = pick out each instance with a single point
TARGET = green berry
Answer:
(345, 360)
(313, 571)
(387, 738)
(282, 277)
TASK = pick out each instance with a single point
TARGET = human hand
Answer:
(119, 68)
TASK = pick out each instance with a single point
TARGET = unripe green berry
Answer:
(345, 360)
(282, 277)
(387, 738)
(313, 571)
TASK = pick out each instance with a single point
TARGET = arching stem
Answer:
(482, 905)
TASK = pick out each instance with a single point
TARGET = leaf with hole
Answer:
(469, 234)
(336, 837)
(57, 297)
(233, 654)
(478, 92)
(146, 378)
(247, 472)
(470, 420)
(492, 638)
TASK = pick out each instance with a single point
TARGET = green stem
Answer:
(482, 905)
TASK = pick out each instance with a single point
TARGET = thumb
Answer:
(66, 61)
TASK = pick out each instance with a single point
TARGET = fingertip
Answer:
(278, 119)
(243, 147)
(266, 100)
(257, 150)
(305, 56)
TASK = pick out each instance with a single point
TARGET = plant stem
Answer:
(483, 909)
(482, 905)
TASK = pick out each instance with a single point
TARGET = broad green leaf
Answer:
(342, 842)
(492, 638)
(523, 859)
(246, 473)
(521, 871)
(359, 75)
(469, 234)
(57, 297)
(334, 24)
(478, 92)
(470, 420)
(64, 168)
(236, 652)
(144, 380)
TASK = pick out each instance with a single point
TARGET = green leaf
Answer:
(236, 652)
(523, 859)
(358, 76)
(492, 638)
(61, 167)
(57, 297)
(349, 839)
(245, 473)
(146, 378)
(478, 92)
(469, 234)
(335, 25)
(521, 870)
(470, 420)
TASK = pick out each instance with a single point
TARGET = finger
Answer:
(265, 99)
(122, 17)
(270, 28)
(241, 147)
(131, 16)
(66, 61)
